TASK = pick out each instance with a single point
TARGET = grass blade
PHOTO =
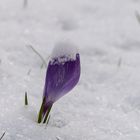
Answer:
(137, 16)
(38, 54)
(26, 99)
(25, 3)
(2, 136)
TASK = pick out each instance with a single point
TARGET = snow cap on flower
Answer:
(63, 52)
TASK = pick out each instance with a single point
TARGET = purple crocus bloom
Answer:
(62, 75)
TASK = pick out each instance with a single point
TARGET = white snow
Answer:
(64, 51)
(105, 105)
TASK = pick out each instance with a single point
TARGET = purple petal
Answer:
(61, 78)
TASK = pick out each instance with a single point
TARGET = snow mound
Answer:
(63, 52)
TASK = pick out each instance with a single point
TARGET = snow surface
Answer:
(105, 105)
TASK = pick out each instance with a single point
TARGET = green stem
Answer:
(41, 111)
(47, 114)
(48, 119)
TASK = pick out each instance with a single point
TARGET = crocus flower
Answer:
(62, 75)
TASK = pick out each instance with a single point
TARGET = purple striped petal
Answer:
(61, 78)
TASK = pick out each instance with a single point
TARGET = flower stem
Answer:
(40, 115)
(47, 114)
(44, 113)
(48, 119)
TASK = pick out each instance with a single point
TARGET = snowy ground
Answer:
(106, 103)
